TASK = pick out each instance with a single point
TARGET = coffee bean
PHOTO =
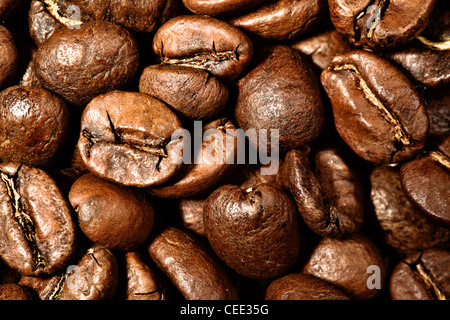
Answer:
(220, 7)
(377, 111)
(37, 219)
(12, 291)
(191, 212)
(42, 24)
(205, 43)
(9, 57)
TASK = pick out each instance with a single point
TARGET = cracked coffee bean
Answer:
(377, 111)
(422, 276)
(191, 266)
(125, 137)
(205, 43)
(80, 64)
(254, 231)
(37, 219)
(9, 57)
(112, 215)
(34, 126)
(380, 23)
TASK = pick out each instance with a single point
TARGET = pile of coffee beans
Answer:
(224, 150)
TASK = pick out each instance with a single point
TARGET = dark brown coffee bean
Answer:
(377, 111)
(330, 202)
(80, 64)
(205, 43)
(353, 264)
(380, 23)
(220, 7)
(422, 276)
(426, 181)
(282, 19)
(94, 277)
(193, 93)
(405, 227)
(254, 231)
(216, 158)
(9, 57)
(281, 92)
(126, 138)
(323, 47)
(190, 265)
(300, 286)
(12, 291)
(191, 212)
(34, 126)
(142, 282)
(112, 215)
(439, 112)
(41, 23)
(29, 77)
(37, 219)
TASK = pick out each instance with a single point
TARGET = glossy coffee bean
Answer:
(422, 276)
(426, 181)
(300, 286)
(439, 112)
(329, 201)
(377, 111)
(34, 126)
(353, 264)
(254, 231)
(9, 57)
(41, 23)
(12, 291)
(281, 19)
(380, 23)
(79, 64)
(220, 7)
(191, 266)
(112, 215)
(37, 219)
(191, 212)
(280, 92)
(205, 43)
(125, 137)
(94, 277)
(192, 93)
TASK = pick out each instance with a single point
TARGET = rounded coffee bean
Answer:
(9, 57)
(426, 181)
(34, 126)
(405, 227)
(36, 221)
(377, 111)
(380, 23)
(219, 7)
(254, 231)
(282, 19)
(80, 64)
(192, 93)
(204, 42)
(12, 291)
(422, 276)
(126, 138)
(191, 267)
(191, 212)
(300, 286)
(353, 264)
(281, 93)
(112, 215)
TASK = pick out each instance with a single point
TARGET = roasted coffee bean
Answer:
(192, 93)
(330, 201)
(191, 212)
(41, 23)
(112, 215)
(38, 235)
(405, 227)
(205, 43)
(426, 181)
(281, 92)
(220, 7)
(254, 231)
(34, 126)
(422, 276)
(79, 64)
(9, 57)
(380, 23)
(191, 266)
(300, 286)
(142, 282)
(94, 277)
(439, 112)
(126, 138)
(353, 264)
(12, 291)
(29, 77)
(377, 111)
(282, 19)
(215, 159)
